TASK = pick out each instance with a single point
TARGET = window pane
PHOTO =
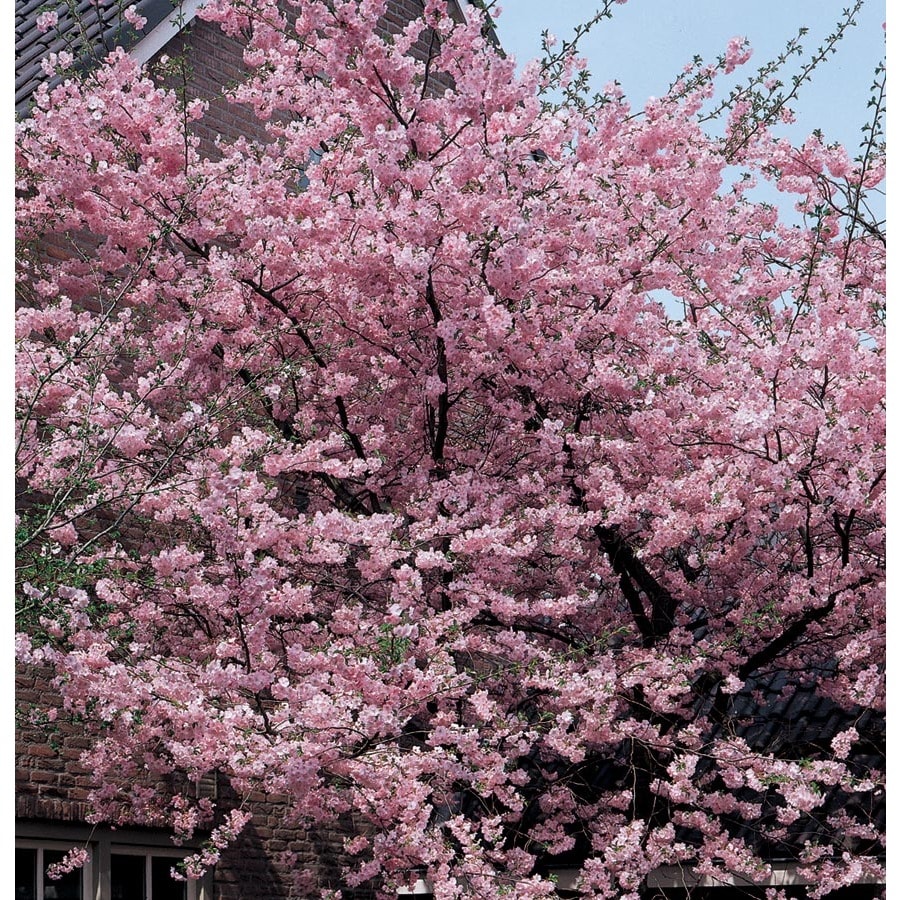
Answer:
(66, 888)
(165, 887)
(127, 877)
(26, 874)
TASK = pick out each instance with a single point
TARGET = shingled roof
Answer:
(784, 714)
(88, 29)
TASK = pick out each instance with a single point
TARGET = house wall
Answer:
(51, 784)
(271, 859)
(208, 60)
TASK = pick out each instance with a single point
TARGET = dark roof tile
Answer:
(95, 28)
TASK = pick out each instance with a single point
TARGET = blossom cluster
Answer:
(394, 487)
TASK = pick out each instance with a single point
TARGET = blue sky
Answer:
(647, 43)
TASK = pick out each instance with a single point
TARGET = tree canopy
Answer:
(363, 463)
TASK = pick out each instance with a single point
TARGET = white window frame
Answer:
(87, 873)
(421, 887)
(101, 843)
(193, 891)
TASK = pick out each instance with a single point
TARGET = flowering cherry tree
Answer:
(364, 465)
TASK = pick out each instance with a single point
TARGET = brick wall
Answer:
(50, 781)
(204, 61)
(397, 15)
(271, 859)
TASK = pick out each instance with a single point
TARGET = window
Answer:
(140, 869)
(141, 875)
(32, 883)
(421, 889)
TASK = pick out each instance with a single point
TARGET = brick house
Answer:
(51, 809)
(271, 858)
(51, 786)
(135, 863)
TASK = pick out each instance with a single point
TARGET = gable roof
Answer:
(88, 29)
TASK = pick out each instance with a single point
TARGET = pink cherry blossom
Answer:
(362, 465)
(47, 20)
